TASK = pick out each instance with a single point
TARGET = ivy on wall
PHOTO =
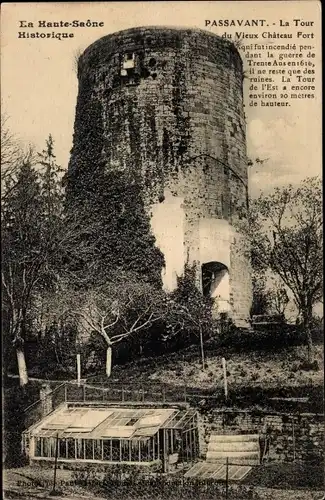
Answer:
(113, 216)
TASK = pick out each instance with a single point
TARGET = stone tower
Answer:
(170, 108)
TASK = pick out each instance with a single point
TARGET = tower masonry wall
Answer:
(171, 113)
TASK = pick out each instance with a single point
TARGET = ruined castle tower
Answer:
(170, 107)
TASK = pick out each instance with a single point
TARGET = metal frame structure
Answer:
(99, 433)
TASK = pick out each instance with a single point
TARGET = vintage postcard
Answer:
(162, 260)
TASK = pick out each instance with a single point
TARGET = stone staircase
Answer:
(242, 452)
(242, 449)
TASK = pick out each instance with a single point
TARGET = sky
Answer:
(39, 82)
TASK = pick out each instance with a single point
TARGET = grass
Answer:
(274, 475)
(267, 371)
(280, 481)
(248, 369)
(287, 476)
(257, 381)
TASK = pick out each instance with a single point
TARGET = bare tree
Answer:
(125, 306)
(11, 150)
(13, 154)
(287, 234)
(76, 58)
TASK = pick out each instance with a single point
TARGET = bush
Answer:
(16, 400)
(146, 486)
(306, 366)
(263, 339)
(85, 474)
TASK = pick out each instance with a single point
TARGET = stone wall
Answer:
(169, 106)
(298, 437)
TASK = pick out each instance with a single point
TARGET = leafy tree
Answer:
(279, 298)
(261, 297)
(287, 238)
(189, 312)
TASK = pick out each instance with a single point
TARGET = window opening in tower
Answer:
(128, 61)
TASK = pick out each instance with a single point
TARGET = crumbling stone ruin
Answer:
(166, 106)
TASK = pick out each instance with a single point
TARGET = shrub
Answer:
(86, 474)
(306, 366)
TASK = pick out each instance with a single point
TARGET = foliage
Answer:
(34, 239)
(125, 310)
(89, 263)
(119, 234)
(288, 476)
(123, 306)
(22, 245)
(268, 298)
(109, 201)
(130, 314)
(86, 474)
(278, 297)
(192, 310)
(286, 228)
(56, 350)
(15, 399)
(261, 299)
(50, 177)
(12, 156)
(189, 317)
(146, 485)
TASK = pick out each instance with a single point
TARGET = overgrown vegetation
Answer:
(299, 481)
(80, 262)
(287, 239)
(82, 273)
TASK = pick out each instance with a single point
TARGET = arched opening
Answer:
(215, 284)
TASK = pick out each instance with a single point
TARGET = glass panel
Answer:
(38, 447)
(144, 451)
(107, 450)
(123, 421)
(80, 448)
(171, 441)
(150, 446)
(62, 448)
(89, 449)
(46, 447)
(71, 448)
(177, 441)
(132, 421)
(157, 439)
(125, 455)
(25, 442)
(98, 449)
(135, 450)
(87, 422)
(52, 446)
(115, 450)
